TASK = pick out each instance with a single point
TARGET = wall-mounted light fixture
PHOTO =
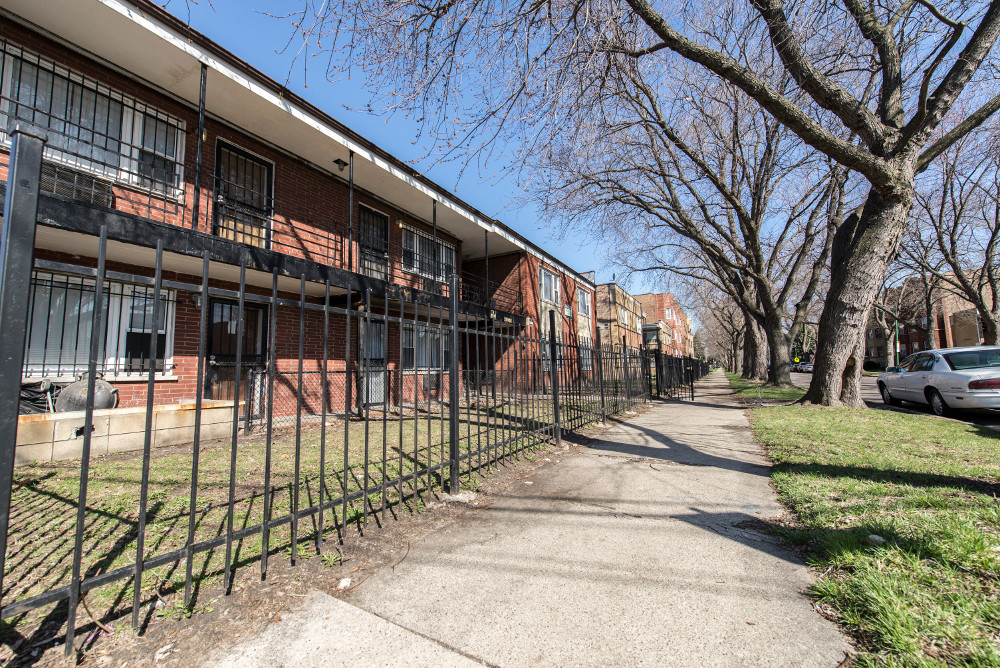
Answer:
(341, 163)
(400, 223)
(196, 300)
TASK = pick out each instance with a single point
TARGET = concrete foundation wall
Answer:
(50, 437)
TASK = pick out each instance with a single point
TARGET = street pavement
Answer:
(871, 396)
(646, 547)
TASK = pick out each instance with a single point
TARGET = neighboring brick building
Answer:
(667, 325)
(619, 315)
(954, 320)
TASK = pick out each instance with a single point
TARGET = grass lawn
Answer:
(44, 498)
(930, 595)
(752, 390)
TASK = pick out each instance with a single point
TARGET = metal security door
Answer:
(221, 368)
(373, 243)
(373, 363)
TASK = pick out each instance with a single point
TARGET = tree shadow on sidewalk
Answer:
(660, 446)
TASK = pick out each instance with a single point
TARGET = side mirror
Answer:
(892, 369)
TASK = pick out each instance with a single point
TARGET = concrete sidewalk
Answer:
(644, 548)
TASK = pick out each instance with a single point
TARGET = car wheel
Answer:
(887, 397)
(937, 403)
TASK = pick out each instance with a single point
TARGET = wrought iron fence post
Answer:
(691, 377)
(555, 376)
(645, 372)
(626, 375)
(600, 374)
(658, 365)
(453, 391)
(17, 246)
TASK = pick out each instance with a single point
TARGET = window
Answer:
(418, 254)
(670, 313)
(91, 127)
(548, 284)
(583, 302)
(425, 348)
(623, 315)
(59, 327)
(243, 202)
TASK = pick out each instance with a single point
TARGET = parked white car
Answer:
(945, 379)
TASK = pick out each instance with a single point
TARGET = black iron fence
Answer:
(282, 417)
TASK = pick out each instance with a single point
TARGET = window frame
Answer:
(542, 273)
(583, 303)
(117, 323)
(443, 348)
(130, 132)
(414, 266)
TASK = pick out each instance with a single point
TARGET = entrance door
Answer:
(373, 243)
(223, 334)
(372, 357)
(243, 202)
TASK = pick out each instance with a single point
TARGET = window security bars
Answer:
(419, 255)
(59, 328)
(102, 145)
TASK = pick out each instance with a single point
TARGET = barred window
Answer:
(60, 327)
(425, 348)
(418, 254)
(90, 126)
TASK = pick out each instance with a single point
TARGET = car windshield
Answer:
(974, 359)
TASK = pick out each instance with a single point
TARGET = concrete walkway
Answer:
(643, 549)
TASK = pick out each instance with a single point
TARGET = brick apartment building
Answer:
(954, 320)
(667, 325)
(619, 315)
(163, 136)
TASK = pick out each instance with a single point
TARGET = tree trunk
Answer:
(850, 394)
(754, 352)
(779, 348)
(991, 328)
(855, 275)
(931, 329)
(889, 336)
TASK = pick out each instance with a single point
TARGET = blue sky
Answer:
(243, 27)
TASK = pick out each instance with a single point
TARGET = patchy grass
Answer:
(930, 595)
(357, 459)
(752, 390)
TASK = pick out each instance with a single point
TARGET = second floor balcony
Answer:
(107, 149)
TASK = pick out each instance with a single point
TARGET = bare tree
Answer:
(537, 65)
(956, 231)
(724, 180)
(723, 325)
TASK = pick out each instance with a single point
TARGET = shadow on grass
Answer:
(892, 476)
